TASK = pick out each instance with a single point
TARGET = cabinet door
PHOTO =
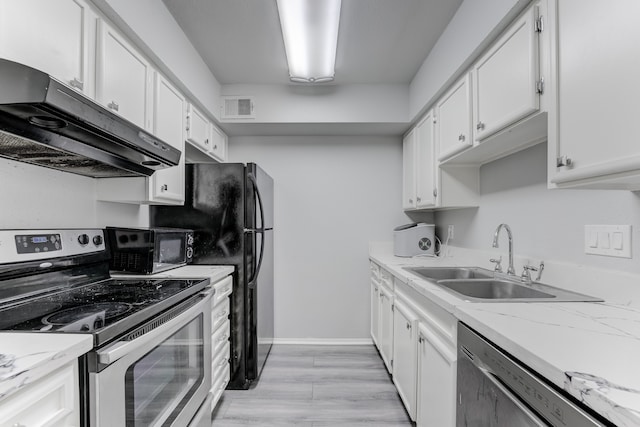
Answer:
(453, 127)
(408, 171)
(436, 380)
(597, 67)
(385, 338)
(124, 77)
(167, 185)
(198, 129)
(51, 401)
(505, 78)
(51, 36)
(218, 144)
(375, 314)
(425, 164)
(404, 355)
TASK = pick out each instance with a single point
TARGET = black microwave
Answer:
(149, 250)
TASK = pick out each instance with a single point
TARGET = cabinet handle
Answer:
(408, 326)
(164, 188)
(410, 200)
(461, 138)
(215, 147)
(435, 192)
(418, 199)
(563, 161)
(420, 338)
(78, 84)
(480, 126)
(206, 141)
(188, 123)
(113, 106)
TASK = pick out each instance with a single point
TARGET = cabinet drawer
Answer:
(220, 362)
(219, 339)
(52, 401)
(219, 314)
(386, 278)
(375, 270)
(223, 289)
(219, 385)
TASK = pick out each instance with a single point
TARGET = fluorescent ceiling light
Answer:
(310, 32)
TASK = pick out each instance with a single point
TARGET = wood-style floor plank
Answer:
(316, 386)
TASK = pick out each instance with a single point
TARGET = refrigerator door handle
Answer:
(253, 180)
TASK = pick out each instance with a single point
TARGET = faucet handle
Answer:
(498, 263)
(526, 273)
(540, 270)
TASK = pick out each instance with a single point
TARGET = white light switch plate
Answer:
(608, 240)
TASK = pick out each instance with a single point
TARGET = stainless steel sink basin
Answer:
(445, 273)
(493, 289)
(476, 284)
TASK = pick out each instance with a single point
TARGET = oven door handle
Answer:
(121, 348)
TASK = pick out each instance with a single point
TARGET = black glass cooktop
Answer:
(105, 309)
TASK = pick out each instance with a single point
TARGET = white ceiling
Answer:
(380, 41)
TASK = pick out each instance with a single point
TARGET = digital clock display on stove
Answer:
(36, 243)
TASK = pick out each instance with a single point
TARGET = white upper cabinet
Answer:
(408, 170)
(505, 78)
(52, 36)
(425, 164)
(218, 144)
(168, 124)
(453, 111)
(593, 137)
(198, 128)
(123, 78)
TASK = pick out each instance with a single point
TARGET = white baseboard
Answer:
(323, 341)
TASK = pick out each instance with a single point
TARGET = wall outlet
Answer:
(608, 240)
(450, 232)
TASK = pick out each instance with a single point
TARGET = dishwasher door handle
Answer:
(509, 395)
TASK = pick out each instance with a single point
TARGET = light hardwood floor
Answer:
(317, 386)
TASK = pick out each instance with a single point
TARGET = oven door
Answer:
(159, 374)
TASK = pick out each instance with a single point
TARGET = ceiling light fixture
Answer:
(310, 32)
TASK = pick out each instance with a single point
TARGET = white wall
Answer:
(326, 104)
(546, 224)
(37, 197)
(332, 196)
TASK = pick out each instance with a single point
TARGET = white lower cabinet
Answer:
(52, 401)
(405, 340)
(436, 379)
(417, 342)
(385, 327)
(220, 335)
(375, 310)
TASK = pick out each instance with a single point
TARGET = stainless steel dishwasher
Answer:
(494, 390)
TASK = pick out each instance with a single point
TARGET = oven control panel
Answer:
(30, 245)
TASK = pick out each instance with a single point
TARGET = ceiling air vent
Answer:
(237, 107)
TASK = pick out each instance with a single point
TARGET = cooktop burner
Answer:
(105, 308)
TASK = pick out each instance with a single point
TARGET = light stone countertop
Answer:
(27, 357)
(588, 349)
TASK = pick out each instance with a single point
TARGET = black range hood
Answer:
(45, 123)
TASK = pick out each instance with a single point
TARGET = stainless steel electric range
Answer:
(150, 362)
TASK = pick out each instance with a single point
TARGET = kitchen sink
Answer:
(477, 284)
(493, 289)
(445, 273)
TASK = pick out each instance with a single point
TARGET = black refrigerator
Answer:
(230, 208)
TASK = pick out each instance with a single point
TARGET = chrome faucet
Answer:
(510, 269)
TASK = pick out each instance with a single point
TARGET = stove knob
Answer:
(189, 253)
(189, 239)
(83, 239)
(97, 240)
